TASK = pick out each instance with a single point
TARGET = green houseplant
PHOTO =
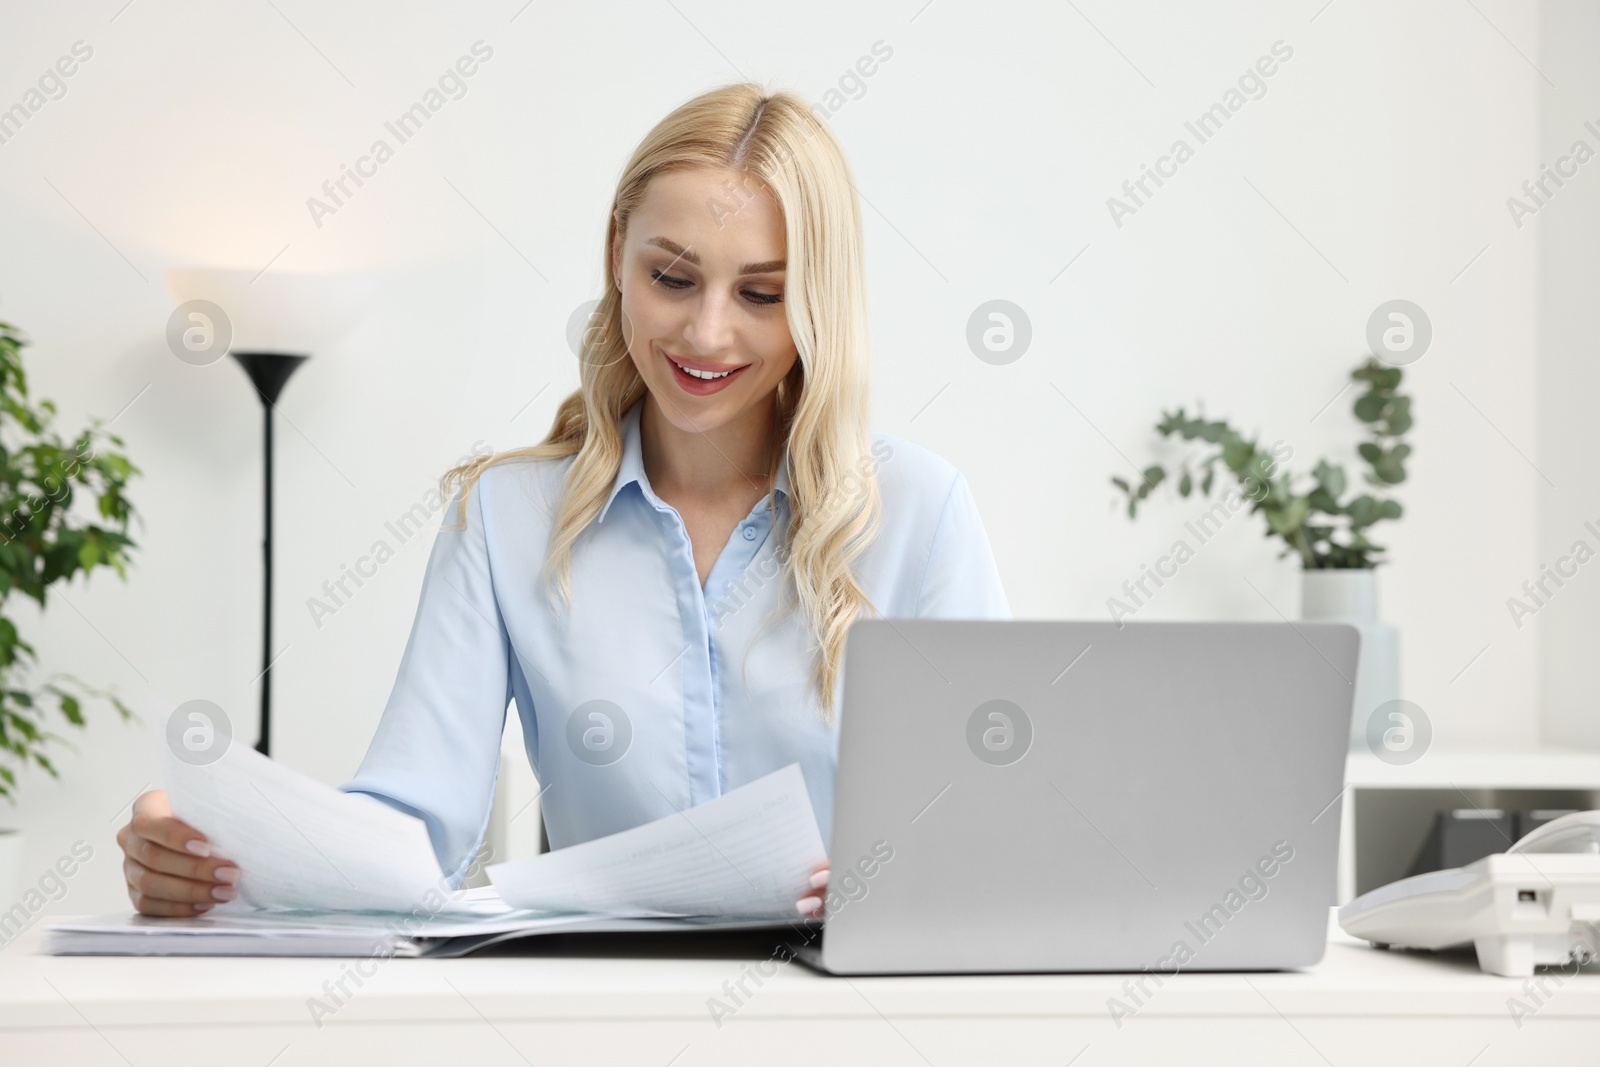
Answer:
(44, 539)
(1318, 517)
(1311, 517)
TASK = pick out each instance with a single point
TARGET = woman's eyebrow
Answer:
(766, 266)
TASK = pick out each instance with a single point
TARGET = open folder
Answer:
(328, 873)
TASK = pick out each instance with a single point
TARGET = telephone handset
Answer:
(1535, 904)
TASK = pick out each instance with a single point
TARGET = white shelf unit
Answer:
(1387, 810)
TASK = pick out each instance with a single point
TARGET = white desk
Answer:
(1359, 1006)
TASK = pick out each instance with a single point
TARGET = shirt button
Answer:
(749, 533)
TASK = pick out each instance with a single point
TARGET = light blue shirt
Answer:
(652, 694)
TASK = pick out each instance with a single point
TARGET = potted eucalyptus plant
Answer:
(46, 484)
(1317, 523)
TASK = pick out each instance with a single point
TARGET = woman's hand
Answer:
(169, 865)
(810, 905)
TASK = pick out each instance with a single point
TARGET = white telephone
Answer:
(1536, 903)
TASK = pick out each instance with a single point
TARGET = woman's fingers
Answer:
(158, 886)
(170, 868)
(152, 902)
(811, 904)
(163, 859)
(168, 909)
(153, 820)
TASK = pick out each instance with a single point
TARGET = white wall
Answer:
(986, 148)
(1569, 276)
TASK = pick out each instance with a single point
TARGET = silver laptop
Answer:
(1081, 796)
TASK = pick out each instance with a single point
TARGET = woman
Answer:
(665, 583)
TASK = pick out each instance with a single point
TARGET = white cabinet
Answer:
(1389, 809)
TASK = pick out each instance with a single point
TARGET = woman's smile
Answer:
(700, 377)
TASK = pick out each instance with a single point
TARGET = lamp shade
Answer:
(278, 311)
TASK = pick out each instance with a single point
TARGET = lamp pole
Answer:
(269, 372)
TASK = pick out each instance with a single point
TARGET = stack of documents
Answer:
(286, 933)
(328, 873)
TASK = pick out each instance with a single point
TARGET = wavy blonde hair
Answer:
(822, 405)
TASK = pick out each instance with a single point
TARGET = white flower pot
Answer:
(1352, 596)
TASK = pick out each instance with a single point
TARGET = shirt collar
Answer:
(631, 469)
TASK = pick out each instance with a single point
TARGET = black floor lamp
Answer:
(262, 318)
(270, 372)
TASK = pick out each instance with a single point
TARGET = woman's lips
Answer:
(700, 386)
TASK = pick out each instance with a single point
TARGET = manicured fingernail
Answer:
(224, 892)
(198, 847)
(227, 874)
(808, 905)
(819, 879)
(202, 907)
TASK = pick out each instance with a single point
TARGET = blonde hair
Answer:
(822, 405)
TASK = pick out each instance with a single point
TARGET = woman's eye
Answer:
(672, 281)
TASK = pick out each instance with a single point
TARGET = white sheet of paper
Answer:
(301, 844)
(748, 853)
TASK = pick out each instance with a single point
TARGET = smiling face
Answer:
(702, 275)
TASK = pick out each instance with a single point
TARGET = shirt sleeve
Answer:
(436, 752)
(961, 580)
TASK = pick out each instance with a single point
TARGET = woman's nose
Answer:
(710, 327)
